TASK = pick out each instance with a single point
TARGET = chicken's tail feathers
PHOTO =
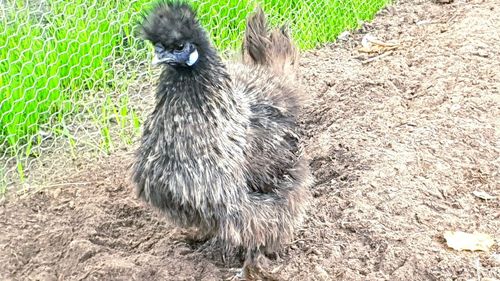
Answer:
(273, 49)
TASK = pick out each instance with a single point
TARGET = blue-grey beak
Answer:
(162, 56)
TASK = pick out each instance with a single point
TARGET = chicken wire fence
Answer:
(76, 83)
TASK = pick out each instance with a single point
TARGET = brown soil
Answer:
(398, 145)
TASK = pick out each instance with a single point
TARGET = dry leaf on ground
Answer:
(462, 241)
(483, 195)
(372, 45)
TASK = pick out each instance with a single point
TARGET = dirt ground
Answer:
(397, 146)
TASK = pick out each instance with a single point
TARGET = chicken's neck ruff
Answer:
(206, 79)
(195, 138)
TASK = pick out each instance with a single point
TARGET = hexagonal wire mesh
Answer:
(75, 83)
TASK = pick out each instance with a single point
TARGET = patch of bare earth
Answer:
(397, 145)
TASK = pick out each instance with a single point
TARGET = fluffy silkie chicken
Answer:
(222, 149)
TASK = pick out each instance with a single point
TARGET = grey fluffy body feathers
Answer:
(222, 149)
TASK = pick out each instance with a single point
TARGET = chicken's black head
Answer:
(175, 33)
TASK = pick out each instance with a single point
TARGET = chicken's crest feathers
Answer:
(169, 21)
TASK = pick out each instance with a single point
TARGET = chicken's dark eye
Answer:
(178, 47)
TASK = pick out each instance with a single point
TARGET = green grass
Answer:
(50, 63)
(313, 22)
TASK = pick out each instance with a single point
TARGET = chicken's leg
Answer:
(250, 266)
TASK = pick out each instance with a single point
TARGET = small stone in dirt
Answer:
(344, 36)
(43, 273)
(496, 259)
(56, 192)
(321, 273)
(81, 250)
(444, 1)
